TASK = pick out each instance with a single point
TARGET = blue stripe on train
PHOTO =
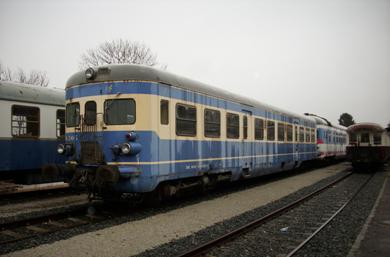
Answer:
(155, 149)
(267, 157)
(172, 92)
(28, 154)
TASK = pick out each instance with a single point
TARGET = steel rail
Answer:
(254, 224)
(293, 252)
(7, 188)
(46, 219)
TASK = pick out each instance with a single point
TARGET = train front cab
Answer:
(331, 142)
(369, 146)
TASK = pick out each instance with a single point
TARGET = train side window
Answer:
(245, 127)
(377, 139)
(313, 136)
(185, 120)
(281, 130)
(60, 123)
(301, 134)
(72, 115)
(259, 129)
(307, 133)
(212, 123)
(90, 113)
(365, 138)
(119, 111)
(270, 130)
(25, 121)
(164, 112)
(289, 133)
(232, 125)
(296, 134)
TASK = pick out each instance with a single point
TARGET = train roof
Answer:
(366, 126)
(131, 72)
(20, 92)
(322, 121)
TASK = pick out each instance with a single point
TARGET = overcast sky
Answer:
(325, 56)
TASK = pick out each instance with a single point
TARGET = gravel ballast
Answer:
(280, 236)
(187, 222)
(339, 236)
(12, 210)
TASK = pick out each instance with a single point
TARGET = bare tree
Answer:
(119, 52)
(38, 78)
(5, 73)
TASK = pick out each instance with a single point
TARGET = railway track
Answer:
(26, 229)
(10, 188)
(15, 231)
(294, 214)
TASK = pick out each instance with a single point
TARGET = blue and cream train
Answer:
(331, 139)
(32, 125)
(136, 129)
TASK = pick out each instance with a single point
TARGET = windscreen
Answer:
(119, 111)
(72, 115)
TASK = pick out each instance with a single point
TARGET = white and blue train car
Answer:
(332, 140)
(132, 129)
(32, 125)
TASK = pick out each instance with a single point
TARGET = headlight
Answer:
(125, 148)
(61, 149)
(90, 73)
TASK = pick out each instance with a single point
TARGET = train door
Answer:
(90, 137)
(247, 144)
(166, 120)
(296, 144)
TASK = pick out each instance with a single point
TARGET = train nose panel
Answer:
(91, 153)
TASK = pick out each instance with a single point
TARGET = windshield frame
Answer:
(67, 113)
(108, 104)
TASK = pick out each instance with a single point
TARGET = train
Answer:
(134, 130)
(331, 139)
(369, 146)
(33, 124)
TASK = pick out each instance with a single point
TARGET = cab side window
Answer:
(164, 112)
